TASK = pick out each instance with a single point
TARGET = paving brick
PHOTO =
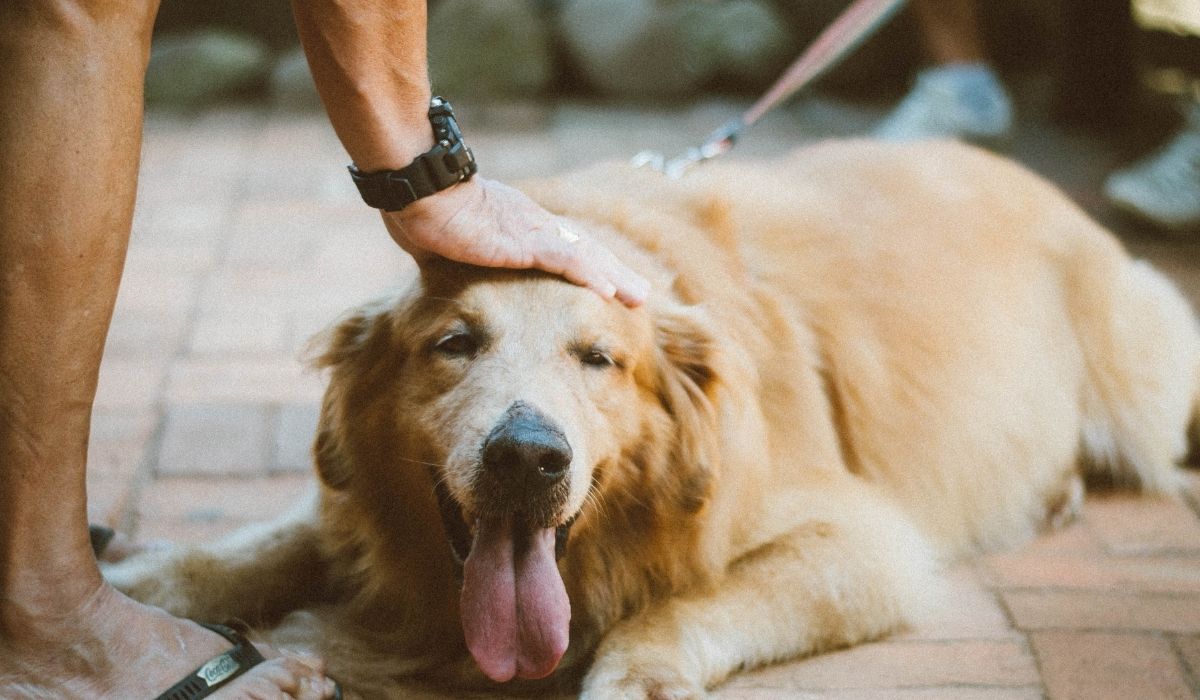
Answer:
(287, 232)
(903, 664)
(315, 172)
(129, 384)
(144, 335)
(275, 378)
(276, 291)
(117, 442)
(1189, 651)
(1076, 538)
(174, 256)
(967, 610)
(956, 692)
(109, 499)
(1128, 524)
(294, 431)
(1039, 610)
(1101, 666)
(244, 330)
(156, 291)
(1123, 574)
(277, 142)
(169, 218)
(190, 510)
(1192, 488)
(215, 439)
(372, 259)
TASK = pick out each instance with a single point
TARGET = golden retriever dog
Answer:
(858, 363)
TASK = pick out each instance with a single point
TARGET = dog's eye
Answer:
(595, 357)
(457, 344)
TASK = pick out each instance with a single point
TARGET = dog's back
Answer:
(915, 266)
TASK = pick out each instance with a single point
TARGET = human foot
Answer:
(113, 647)
(1164, 188)
(963, 101)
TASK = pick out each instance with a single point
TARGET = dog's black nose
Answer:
(525, 447)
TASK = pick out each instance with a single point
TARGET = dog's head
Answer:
(526, 398)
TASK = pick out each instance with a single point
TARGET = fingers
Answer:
(557, 246)
(291, 676)
(588, 263)
(310, 689)
(487, 223)
(632, 289)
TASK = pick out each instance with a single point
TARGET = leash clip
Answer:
(851, 28)
(717, 143)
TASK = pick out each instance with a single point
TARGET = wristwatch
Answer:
(447, 163)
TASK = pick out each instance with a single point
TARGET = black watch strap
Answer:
(447, 163)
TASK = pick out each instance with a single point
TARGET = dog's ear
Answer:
(357, 350)
(332, 462)
(350, 337)
(688, 381)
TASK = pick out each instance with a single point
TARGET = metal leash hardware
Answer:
(718, 142)
(851, 28)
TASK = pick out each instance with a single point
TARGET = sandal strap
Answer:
(219, 670)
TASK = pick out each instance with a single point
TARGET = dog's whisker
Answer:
(440, 465)
(596, 503)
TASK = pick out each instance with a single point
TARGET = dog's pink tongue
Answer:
(515, 611)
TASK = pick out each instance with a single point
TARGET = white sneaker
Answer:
(963, 101)
(1163, 188)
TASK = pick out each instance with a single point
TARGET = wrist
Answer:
(406, 136)
(391, 120)
(423, 226)
(446, 164)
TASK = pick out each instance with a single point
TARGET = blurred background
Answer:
(1111, 72)
(1090, 60)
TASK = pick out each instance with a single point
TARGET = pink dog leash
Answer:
(851, 28)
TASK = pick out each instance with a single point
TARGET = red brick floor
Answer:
(249, 238)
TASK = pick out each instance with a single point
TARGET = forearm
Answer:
(369, 62)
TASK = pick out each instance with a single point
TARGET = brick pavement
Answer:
(248, 238)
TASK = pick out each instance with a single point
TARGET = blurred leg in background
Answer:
(1164, 187)
(959, 95)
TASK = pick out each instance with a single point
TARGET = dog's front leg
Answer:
(255, 574)
(857, 573)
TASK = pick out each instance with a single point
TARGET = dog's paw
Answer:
(144, 579)
(639, 681)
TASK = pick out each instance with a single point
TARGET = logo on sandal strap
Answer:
(218, 669)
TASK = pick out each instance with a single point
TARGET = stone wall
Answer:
(658, 50)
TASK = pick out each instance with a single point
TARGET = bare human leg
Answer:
(959, 95)
(950, 30)
(70, 135)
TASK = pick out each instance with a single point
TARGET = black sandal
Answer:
(219, 670)
(222, 669)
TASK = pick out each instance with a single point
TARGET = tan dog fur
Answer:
(857, 363)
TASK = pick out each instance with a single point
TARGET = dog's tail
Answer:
(1141, 346)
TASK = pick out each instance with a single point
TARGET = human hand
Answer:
(484, 222)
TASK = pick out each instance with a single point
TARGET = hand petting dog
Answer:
(487, 223)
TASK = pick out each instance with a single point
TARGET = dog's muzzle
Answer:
(524, 474)
(459, 533)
